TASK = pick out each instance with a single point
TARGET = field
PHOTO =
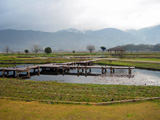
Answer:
(26, 99)
(138, 64)
(54, 92)
(20, 110)
(139, 60)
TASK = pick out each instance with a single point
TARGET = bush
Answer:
(48, 50)
(26, 51)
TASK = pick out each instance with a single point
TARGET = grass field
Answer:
(52, 92)
(56, 54)
(144, 59)
(14, 60)
(20, 110)
(144, 65)
(99, 53)
(26, 99)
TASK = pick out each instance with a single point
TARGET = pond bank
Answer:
(139, 65)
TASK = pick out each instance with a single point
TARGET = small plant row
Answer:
(26, 89)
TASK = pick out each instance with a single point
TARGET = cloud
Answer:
(54, 15)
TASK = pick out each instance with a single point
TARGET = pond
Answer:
(120, 77)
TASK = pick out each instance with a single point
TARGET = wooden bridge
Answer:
(85, 67)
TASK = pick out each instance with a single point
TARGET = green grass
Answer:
(144, 65)
(9, 60)
(20, 110)
(144, 59)
(56, 54)
(54, 91)
(60, 54)
(47, 58)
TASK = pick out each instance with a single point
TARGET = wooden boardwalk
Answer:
(85, 67)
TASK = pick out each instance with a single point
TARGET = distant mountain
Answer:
(149, 35)
(72, 39)
(141, 47)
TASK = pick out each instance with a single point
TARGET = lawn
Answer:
(20, 110)
(144, 65)
(15, 60)
(144, 59)
(52, 92)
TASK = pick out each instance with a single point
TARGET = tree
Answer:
(48, 50)
(6, 49)
(156, 47)
(73, 51)
(26, 51)
(90, 48)
(103, 48)
(36, 49)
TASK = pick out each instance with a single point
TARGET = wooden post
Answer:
(38, 73)
(111, 70)
(85, 71)
(63, 70)
(82, 70)
(102, 69)
(78, 70)
(7, 73)
(57, 69)
(129, 70)
(28, 72)
(14, 73)
(38, 68)
(17, 74)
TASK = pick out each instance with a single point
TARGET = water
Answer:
(120, 77)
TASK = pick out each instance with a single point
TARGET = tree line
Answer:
(130, 47)
(141, 47)
(36, 49)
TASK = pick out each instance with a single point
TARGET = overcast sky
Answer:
(54, 15)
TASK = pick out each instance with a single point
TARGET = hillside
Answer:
(73, 39)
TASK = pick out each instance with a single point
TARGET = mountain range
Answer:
(72, 39)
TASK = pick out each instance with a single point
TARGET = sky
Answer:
(55, 15)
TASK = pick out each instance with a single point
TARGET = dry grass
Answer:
(20, 110)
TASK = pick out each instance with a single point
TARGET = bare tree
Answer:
(12, 51)
(6, 49)
(36, 48)
(90, 48)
